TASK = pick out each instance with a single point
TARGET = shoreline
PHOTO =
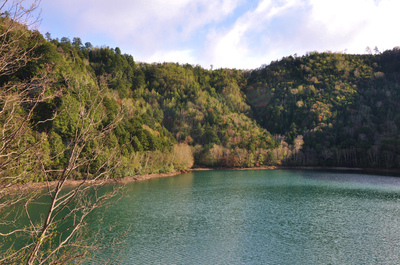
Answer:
(350, 169)
(27, 187)
(395, 171)
(125, 180)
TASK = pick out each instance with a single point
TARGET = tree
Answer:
(18, 99)
(92, 168)
(77, 42)
(88, 45)
(183, 157)
(65, 40)
(48, 36)
(59, 236)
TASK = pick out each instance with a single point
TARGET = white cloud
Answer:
(340, 15)
(144, 27)
(274, 30)
(226, 33)
(352, 25)
(381, 30)
(123, 18)
(235, 47)
(180, 56)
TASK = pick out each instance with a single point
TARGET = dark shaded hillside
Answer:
(345, 106)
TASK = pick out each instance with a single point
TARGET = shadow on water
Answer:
(350, 177)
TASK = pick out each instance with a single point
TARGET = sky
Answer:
(241, 34)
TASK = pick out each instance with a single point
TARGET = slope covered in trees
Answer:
(327, 109)
(167, 113)
(345, 106)
(179, 104)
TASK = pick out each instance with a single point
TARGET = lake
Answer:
(259, 217)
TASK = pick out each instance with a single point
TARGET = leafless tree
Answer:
(15, 18)
(60, 235)
(18, 100)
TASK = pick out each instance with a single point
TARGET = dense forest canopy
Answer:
(325, 109)
(345, 106)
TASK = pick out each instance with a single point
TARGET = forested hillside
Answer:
(57, 108)
(346, 107)
(326, 109)
(157, 117)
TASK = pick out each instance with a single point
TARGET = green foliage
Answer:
(199, 106)
(66, 121)
(343, 106)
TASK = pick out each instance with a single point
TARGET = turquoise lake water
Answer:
(258, 217)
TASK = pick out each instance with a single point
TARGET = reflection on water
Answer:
(260, 217)
(351, 177)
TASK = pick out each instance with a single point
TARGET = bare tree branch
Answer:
(59, 235)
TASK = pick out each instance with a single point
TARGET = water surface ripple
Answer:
(260, 217)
